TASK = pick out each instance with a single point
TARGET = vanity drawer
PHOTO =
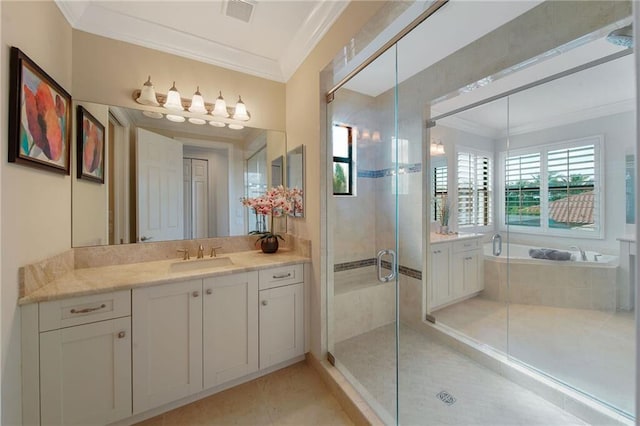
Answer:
(84, 309)
(285, 275)
(465, 245)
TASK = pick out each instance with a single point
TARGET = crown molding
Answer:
(468, 126)
(98, 20)
(309, 35)
(72, 10)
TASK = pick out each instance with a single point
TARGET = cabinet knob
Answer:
(265, 303)
(195, 294)
(209, 291)
(121, 335)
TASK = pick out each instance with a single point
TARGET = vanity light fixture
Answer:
(241, 111)
(148, 94)
(173, 101)
(196, 110)
(220, 107)
(436, 147)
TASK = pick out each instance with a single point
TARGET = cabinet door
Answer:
(467, 273)
(441, 291)
(230, 345)
(85, 373)
(167, 343)
(281, 324)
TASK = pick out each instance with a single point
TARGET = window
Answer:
(555, 189)
(474, 189)
(342, 160)
(439, 189)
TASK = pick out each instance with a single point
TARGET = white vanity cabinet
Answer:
(281, 315)
(193, 335)
(457, 271)
(85, 359)
(167, 343)
(230, 330)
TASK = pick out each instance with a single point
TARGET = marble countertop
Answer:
(80, 282)
(442, 238)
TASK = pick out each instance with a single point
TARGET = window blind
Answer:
(522, 190)
(474, 189)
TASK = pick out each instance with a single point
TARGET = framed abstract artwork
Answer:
(39, 117)
(90, 146)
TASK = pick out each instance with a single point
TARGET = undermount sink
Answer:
(196, 264)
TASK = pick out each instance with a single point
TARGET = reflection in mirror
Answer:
(295, 178)
(439, 186)
(168, 181)
(276, 171)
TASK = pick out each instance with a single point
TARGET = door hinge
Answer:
(331, 359)
(429, 124)
(330, 97)
(430, 318)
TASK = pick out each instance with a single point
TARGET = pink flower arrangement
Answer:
(276, 202)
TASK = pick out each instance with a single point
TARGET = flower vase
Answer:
(269, 244)
(444, 229)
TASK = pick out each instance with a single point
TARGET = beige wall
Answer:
(36, 205)
(90, 200)
(304, 107)
(108, 71)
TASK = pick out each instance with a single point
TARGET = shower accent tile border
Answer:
(374, 174)
(403, 270)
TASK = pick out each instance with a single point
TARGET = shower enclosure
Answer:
(445, 144)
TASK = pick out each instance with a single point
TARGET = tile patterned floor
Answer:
(294, 395)
(593, 351)
(427, 368)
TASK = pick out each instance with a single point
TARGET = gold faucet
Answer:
(213, 251)
(200, 252)
(185, 253)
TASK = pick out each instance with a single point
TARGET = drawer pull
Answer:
(195, 294)
(121, 335)
(209, 291)
(265, 303)
(87, 310)
(278, 277)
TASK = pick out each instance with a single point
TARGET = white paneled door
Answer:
(160, 180)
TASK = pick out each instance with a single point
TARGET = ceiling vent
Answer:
(239, 9)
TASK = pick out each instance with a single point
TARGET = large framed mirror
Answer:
(171, 181)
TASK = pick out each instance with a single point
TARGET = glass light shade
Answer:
(436, 149)
(197, 103)
(175, 118)
(173, 99)
(148, 94)
(216, 123)
(241, 111)
(152, 114)
(220, 108)
(198, 121)
(236, 126)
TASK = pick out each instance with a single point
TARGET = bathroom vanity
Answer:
(457, 272)
(108, 343)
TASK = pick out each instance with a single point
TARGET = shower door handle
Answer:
(497, 249)
(386, 278)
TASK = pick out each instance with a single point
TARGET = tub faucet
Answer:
(200, 252)
(583, 255)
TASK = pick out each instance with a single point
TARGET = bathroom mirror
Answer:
(168, 181)
(295, 177)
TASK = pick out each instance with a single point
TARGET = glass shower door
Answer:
(364, 153)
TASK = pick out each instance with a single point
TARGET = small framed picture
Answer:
(39, 117)
(90, 146)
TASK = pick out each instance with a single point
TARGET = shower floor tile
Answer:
(591, 350)
(427, 368)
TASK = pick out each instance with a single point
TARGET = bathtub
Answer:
(574, 284)
(520, 253)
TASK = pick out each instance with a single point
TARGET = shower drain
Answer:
(446, 397)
